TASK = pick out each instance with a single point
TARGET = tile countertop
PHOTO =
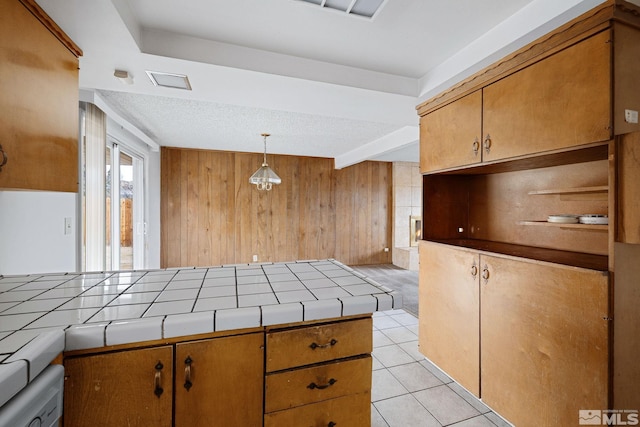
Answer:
(43, 314)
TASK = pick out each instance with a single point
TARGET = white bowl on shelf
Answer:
(594, 219)
(563, 219)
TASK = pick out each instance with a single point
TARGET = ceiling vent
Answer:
(363, 8)
(177, 81)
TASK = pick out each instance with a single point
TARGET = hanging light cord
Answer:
(264, 161)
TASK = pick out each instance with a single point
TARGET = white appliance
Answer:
(39, 404)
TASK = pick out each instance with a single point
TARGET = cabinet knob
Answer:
(476, 146)
(474, 270)
(485, 273)
(487, 144)
(4, 158)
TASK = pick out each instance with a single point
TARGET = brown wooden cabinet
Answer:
(532, 334)
(218, 380)
(452, 134)
(314, 371)
(39, 102)
(562, 101)
(449, 333)
(124, 388)
(544, 335)
(555, 300)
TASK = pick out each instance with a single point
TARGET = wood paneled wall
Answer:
(211, 215)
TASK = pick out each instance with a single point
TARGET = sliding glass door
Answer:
(125, 210)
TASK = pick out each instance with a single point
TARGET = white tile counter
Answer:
(43, 314)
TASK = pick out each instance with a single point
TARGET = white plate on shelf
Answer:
(563, 219)
(593, 219)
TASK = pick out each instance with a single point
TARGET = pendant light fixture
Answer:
(265, 177)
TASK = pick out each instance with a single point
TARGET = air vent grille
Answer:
(177, 81)
(362, 8)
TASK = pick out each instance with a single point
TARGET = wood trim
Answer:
(627, 180)
(286, 326)
(50, 24)
(628, 13)
(160, 342)
(626, 327)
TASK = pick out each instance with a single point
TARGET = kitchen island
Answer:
(245, 332)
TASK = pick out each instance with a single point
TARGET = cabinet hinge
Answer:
(607, 318)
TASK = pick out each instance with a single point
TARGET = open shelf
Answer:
(587, 227)
(575, 259)
(599, 189)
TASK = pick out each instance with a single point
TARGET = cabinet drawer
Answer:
(353, 411)
(299, 387)
(305, 346)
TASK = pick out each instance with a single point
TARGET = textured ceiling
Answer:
(238, 128)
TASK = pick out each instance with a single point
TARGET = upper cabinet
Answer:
(562, 101)
(39, 102)
(566, 91)
(451, 136)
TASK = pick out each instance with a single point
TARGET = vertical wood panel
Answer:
(345, 217)
(193, 181)
(171, 210)
(211, 215)
(217, 211)
(228, 234)
(204, 246)
(243, 203)
(327, 222)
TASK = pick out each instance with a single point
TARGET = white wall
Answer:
(32, 232)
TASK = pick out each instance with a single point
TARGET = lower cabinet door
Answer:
(351, 411)
(544, 336)
(125, 388)
(449, 328)
(219, 382)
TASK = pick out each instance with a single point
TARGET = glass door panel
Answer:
(127, 191)
(108, 179)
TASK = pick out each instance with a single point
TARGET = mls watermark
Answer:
(608, 417)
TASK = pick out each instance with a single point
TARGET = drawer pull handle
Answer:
(327, 345)
(187, 373)
(331, 424)
(331, 382)
(158, 380)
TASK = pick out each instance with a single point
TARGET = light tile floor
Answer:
(408, 390)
